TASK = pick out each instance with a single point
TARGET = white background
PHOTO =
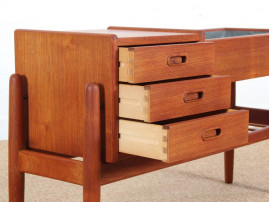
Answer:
(83, 15)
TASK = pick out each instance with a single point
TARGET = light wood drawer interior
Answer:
(161, 62)
(185, 138)
(156, 102)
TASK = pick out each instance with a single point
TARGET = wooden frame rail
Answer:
(258, 116)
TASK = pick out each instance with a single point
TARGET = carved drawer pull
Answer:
(176, 60)
(193, 96)
(210, 134)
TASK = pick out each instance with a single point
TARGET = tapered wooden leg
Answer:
(228, 165)
(16, 139)
(229, 155)
(91, 154)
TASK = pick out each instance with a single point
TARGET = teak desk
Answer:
(129, 101)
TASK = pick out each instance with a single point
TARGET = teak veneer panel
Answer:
(234, 132)
(185, 139)
(151, 63)
(242, 57)
(157, 102)
(57, 66)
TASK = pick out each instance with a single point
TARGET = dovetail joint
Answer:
(165, 150)
(164, 138)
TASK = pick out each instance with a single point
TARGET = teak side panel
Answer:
(151, 63)
(233, 132)
(57, 66)
(242, 57)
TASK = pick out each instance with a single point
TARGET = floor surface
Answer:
(199, 180)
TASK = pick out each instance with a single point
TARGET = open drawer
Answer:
(184, 138)
(162, 101)
(142, 64)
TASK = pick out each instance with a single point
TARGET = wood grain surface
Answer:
(258, 135)
(180, 98)
(150, 63)
(228, 166)
(16, 138)
(133, 37)
(185, 138)
(134, 102)
(157, 102)
(91, 151)
(259, 116)
(143, 139)
(182, 140)
(243, 57)
(57, 66)
(199, 32)
(128, 166)
(51, 166)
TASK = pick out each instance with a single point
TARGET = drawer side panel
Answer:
(143, 139)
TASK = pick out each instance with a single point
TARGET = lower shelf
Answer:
(257, 132)
(128, 166)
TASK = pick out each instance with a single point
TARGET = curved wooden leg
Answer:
(91, 153)
(16, 140)
(228, 165)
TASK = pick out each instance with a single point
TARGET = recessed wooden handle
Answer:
(176, 60)
(210, 134)
(193, 96)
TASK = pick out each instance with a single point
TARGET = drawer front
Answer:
(185, 139)
(154, 63)
(207, 135)
(169, 100)
(243, 57)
